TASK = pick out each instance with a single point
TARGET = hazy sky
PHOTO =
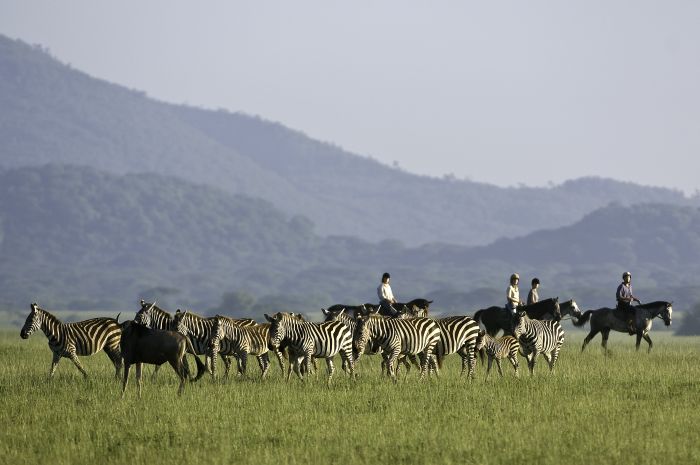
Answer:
(504, 92)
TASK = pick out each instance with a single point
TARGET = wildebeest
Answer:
(605, 319)
(140, 344)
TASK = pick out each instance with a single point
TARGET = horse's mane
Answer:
(657, 303)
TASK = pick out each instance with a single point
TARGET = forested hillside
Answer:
(52, 113)
(73, 237)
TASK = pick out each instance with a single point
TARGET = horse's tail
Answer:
(201, 367)
(477, 316)
(582, 319)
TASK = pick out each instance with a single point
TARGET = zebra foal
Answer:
(498, 349)
(72, 339)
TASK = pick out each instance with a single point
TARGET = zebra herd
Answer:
(350, 332)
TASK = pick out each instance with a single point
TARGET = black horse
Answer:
(605, 319)
(498, 318)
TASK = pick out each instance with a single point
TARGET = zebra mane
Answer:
(47, 316)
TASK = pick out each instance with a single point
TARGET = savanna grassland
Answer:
(623, 408)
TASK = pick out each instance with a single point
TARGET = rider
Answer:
(532, 296)
(513, 294)
(386, 297)
(625, 298)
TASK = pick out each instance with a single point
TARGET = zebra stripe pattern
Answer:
(231, 339)
(413, 336)
(538, 337)
(458, 334)
(153, 317)
(320, 340)
(498, 349)
(72, 339)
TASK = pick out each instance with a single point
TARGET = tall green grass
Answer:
(625, 408)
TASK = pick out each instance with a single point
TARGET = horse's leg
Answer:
(139, 374)
(588, 338)
(155, 373)
(648, 339)
(127, 367)
(605, 334)
(639, 340)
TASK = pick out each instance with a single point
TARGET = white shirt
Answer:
(384, 293)
(513, 294)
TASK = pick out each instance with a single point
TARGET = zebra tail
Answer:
(584, 318)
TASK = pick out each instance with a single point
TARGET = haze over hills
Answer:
(76, 238)
(54, 114)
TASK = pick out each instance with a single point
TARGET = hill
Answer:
(75, 238)
(55, 114)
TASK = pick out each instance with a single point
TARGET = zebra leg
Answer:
(648, 339)
(280, 359)
(498, 365)
(488, 367)
(127, 367)
(74, 358)
(588, 338)
(348, 363)
(548, 358)
(139, 367)
(54, 363)
(116, 357)
(331, 369)
(392, 358)
(213, 355)
(227, 366)
(243, 357)
(264, 364)
(532, 359)
(514, 362)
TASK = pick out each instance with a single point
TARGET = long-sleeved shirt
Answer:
(385, 294)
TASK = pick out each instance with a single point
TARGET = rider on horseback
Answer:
(533, 296)
(513, 294)
(625, 298)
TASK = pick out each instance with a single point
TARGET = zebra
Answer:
(538, 337)
(457, 335)
(413, 336)
(72, 339)
(498, 349)
(199, 330)
(230, 339)
(320, 340)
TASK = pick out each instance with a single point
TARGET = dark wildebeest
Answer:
(498, 318)
(605, 319)
(140, 344)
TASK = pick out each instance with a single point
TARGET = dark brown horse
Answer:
(605, 319)
(497, 318)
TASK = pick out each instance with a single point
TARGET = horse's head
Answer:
(575, 310)
(32, 323)
(666, 314)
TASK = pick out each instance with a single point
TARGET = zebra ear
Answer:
(325, 312)
(269, 318)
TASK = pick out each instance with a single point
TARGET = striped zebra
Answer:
(457, 335)
(411, 337)
(320, 340)
(72, 339)
(538, 337)
(239, 341)
(498, 349)
(199, 330)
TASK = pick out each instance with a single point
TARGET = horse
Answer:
(605, 319)
(498, 318)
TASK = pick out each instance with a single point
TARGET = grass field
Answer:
(623, 408)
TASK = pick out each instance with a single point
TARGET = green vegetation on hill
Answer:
(52, 113)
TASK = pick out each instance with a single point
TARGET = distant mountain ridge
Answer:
(75, 237)
(55, 114)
